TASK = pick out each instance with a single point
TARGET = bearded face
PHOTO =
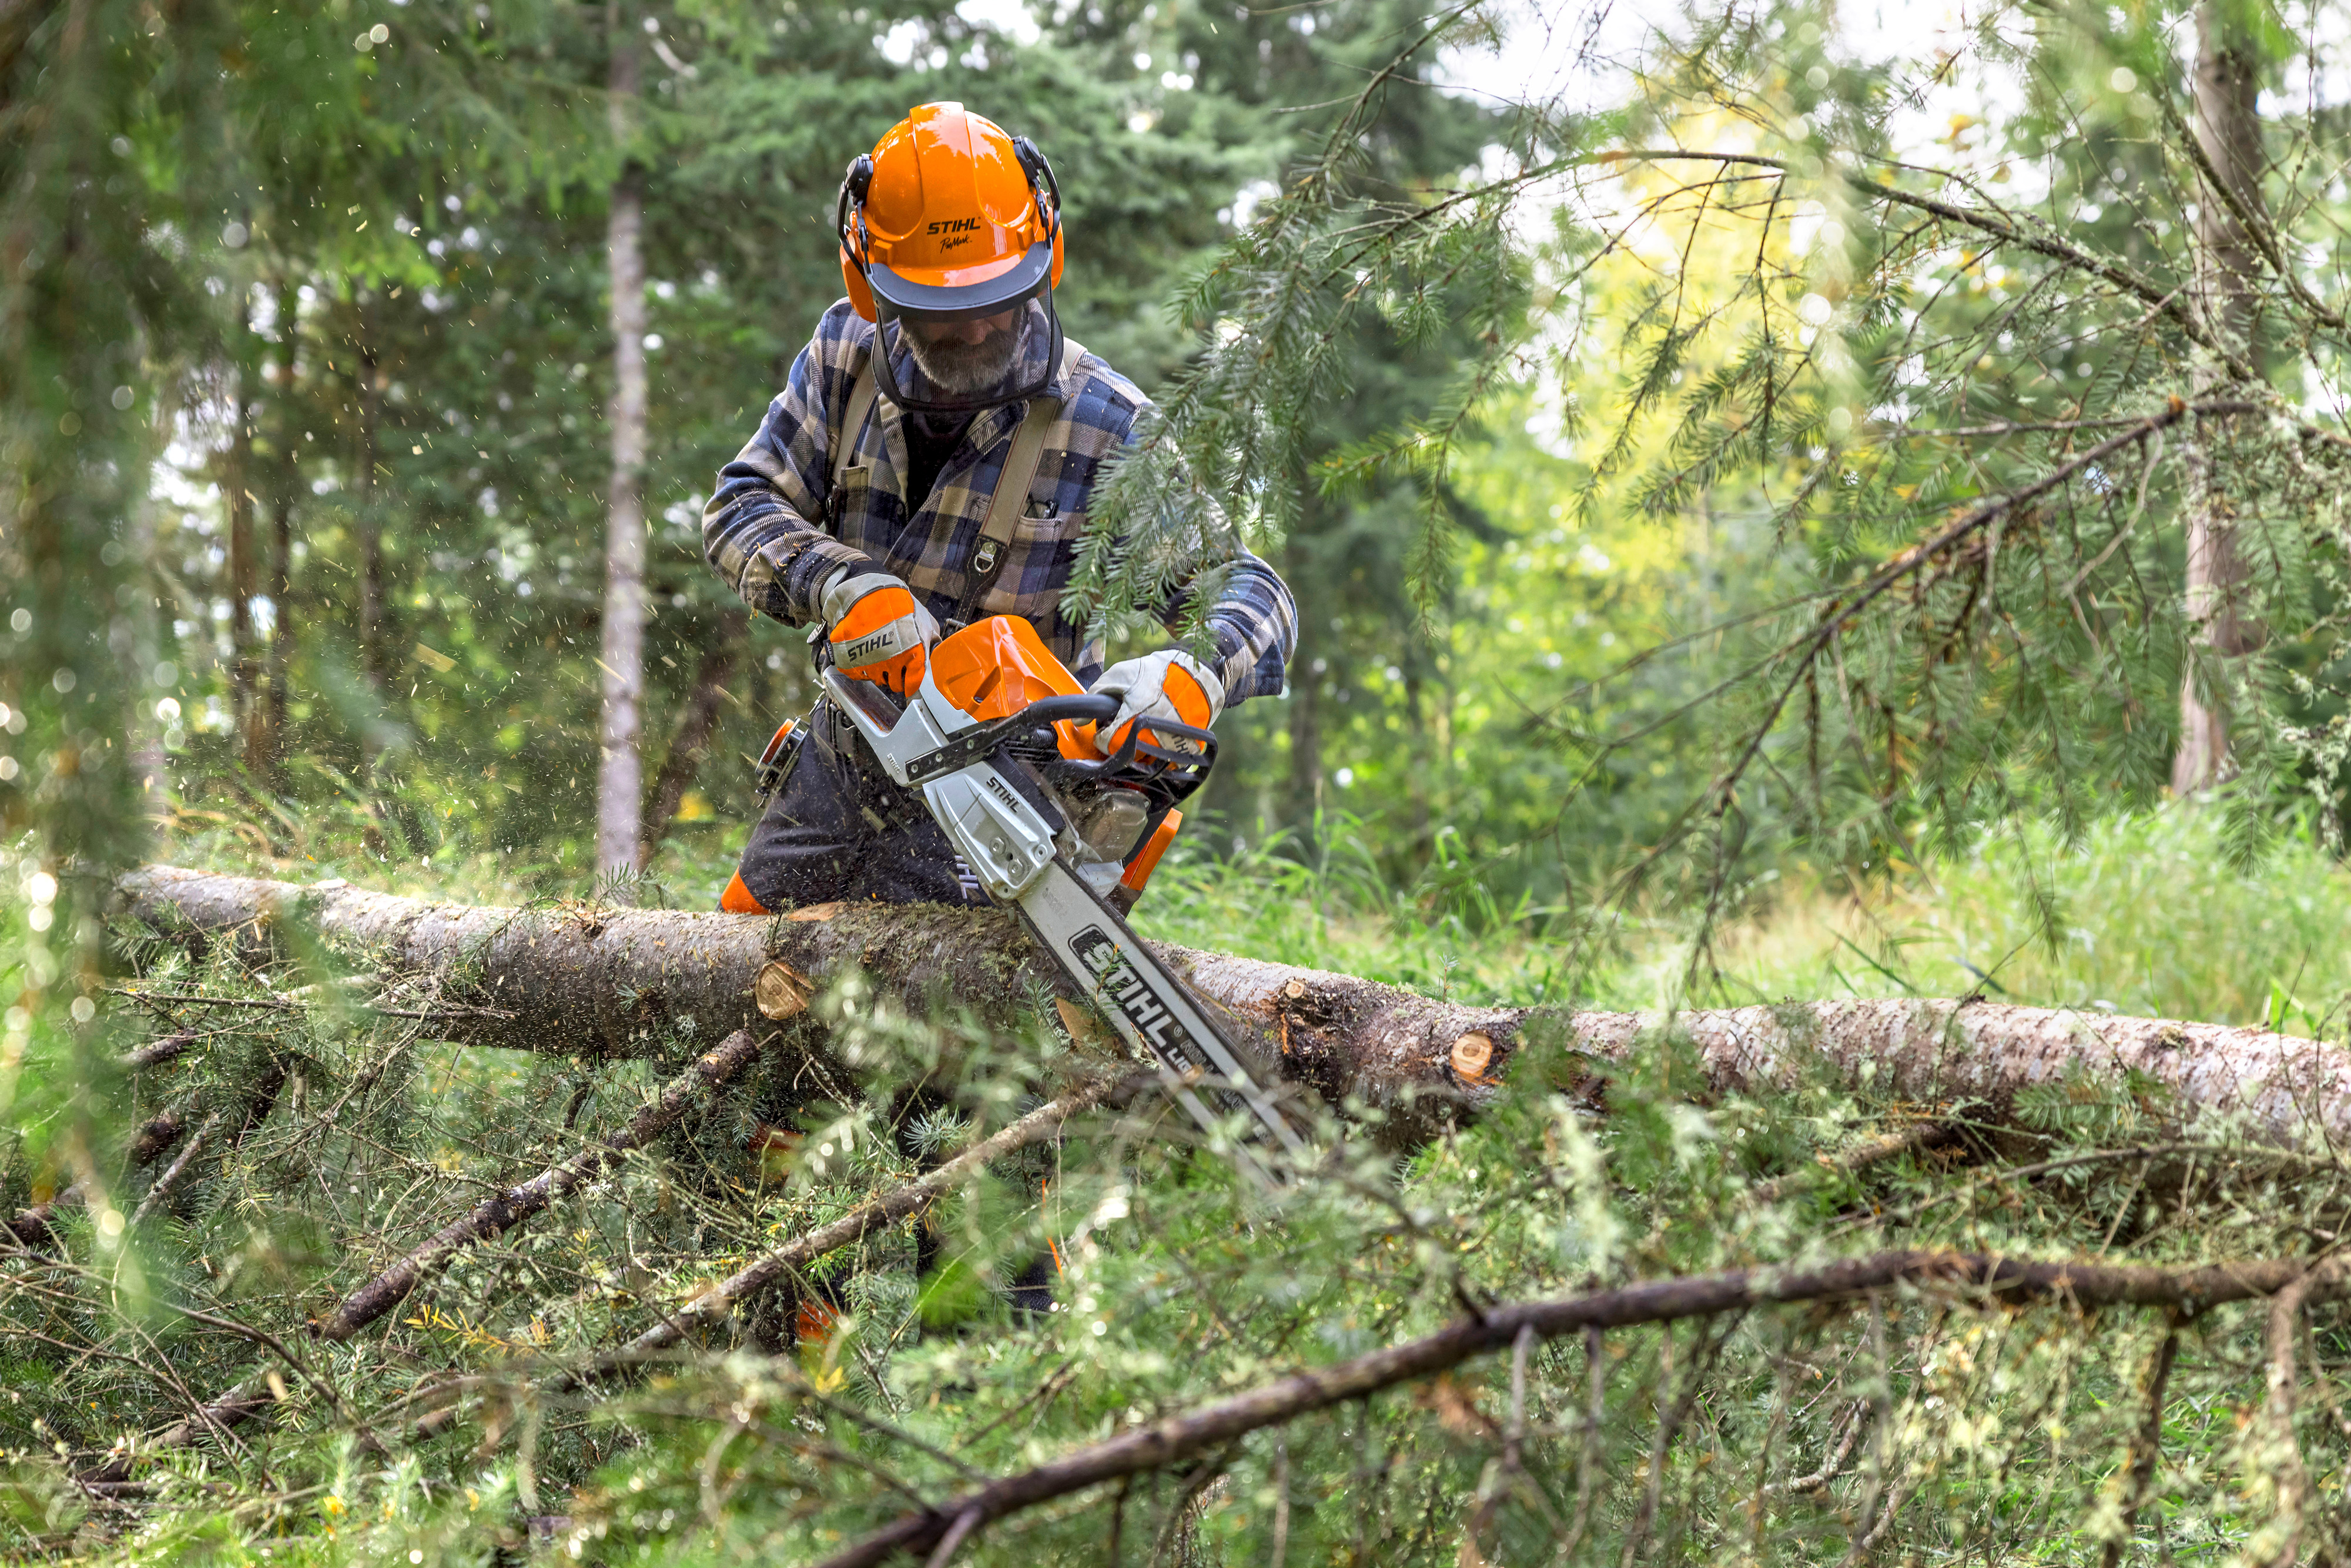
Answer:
(963, 359)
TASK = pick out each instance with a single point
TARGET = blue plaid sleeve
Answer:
(1255, 624)
(763, 530)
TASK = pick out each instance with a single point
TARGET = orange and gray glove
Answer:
(1169, 685)
(878, 629)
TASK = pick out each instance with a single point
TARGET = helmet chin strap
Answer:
(886, 377)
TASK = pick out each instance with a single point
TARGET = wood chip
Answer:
(1295, 989)
(816, 912)
(1084, 1027)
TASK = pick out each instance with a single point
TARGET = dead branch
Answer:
(714, 1304)
(489, 1219)
(2080, 1284)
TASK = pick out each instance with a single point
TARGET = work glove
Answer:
(1169, 685)
(878, 631)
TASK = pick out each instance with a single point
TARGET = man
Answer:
(868, 500)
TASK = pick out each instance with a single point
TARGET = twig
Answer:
(175, 1172)
(1167, 1441)
(1877, 1151)
(720, 1299)
(1850, 1425)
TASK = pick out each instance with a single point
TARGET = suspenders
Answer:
(1004, 507)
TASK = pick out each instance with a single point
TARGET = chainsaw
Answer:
(1002, 742)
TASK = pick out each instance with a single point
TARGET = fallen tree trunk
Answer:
(603, 982)
(577, 980)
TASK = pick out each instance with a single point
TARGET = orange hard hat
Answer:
(948, 218)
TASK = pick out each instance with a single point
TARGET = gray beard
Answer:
(961, 370)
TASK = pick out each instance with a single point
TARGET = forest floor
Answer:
(2151, 915)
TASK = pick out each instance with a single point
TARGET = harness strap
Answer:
(862, 394)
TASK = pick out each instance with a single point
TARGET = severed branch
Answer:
(1852, 1424)
(1854, 1161)
(155, 1052)
(36, 1227)
(175, 1172)
(500, 1212)
(1177, 1438)
(2290, 1476)
(503, 1211)
(713, 1304)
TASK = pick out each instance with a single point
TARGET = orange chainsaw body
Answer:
(993, 669)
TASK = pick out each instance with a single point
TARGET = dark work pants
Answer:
(840, 830)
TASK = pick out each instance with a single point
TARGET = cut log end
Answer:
(781, 991)
(1471, 1055)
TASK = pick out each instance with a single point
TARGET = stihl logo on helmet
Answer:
(955, 226)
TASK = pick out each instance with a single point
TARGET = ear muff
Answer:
(1047, 193)
(851, 206)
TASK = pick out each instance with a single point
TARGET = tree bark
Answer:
(687, 747)
(620, 783)
(2228, 134)
(607, 982)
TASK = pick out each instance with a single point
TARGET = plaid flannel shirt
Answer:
(772, 532)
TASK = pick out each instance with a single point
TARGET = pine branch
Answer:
(2006, 1280)
(714, 1304)
(503, 1211)
(489, 1219)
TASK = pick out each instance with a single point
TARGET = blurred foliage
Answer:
(1645, 458)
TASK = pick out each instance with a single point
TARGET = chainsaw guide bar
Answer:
(1015, 800)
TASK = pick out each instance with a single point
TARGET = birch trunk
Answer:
(2227, 131)
(620, 784)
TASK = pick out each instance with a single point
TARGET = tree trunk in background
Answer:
(265, 734)
(245, 376)
(2227, 128)
(1305, 716)
(374, 663)
(619, 787)
(692, 742)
